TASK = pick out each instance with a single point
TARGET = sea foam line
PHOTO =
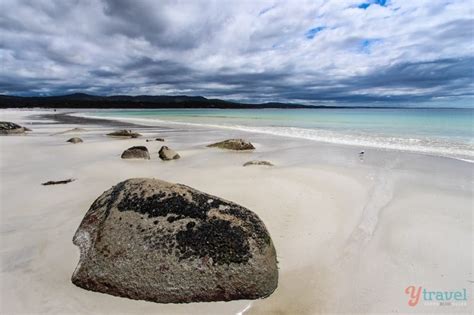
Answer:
(466, 153)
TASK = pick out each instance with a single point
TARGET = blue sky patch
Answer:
(311, 33)
(365, 5)
(366, 45)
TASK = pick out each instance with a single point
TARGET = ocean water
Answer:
(444, 132)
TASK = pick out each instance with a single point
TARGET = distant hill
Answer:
(81, 100)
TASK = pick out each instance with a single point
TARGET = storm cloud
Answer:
(287, 51)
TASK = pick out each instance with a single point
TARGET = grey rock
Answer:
(233, 144)
(258, 162)
(9, 128)
(75, 140)
(157, 139)
(152, 240)
(58, 182)
(124, 134)
(137, 152)
(167, 154)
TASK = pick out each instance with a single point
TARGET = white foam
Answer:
(460, 151)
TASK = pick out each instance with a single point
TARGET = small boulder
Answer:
(75, 140)
(148, 239)
(9, 128)
(233, 144)
(124, 134)
(138, 152)
(258, 162)
(157, 139)
(167, 154)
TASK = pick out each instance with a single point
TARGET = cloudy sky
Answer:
(299, 51)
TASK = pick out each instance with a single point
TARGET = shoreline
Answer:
(146, 122)
(350, 234)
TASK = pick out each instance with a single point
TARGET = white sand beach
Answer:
(350, 234)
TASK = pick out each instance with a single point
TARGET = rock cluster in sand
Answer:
(9, 128)
(156, 139)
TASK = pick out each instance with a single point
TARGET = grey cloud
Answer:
(443, 73)
(227, 50)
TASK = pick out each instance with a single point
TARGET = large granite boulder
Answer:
(167, 154)
(137, 152)
(9, 128)
(233, 144)
(75, 140)
(152, 240)
(124, 134)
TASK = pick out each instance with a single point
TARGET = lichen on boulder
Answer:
(233, 144)
(152, 240)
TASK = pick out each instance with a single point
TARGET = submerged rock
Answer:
(152, 240)
(166, 154)
(124, 134)
(233, 144)
(9, 128)
(138, 152)
(75, 140)
(258, 162)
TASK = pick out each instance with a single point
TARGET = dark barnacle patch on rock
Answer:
(178, 207)
(162, 204)
(254, 221)
(143, 238)
(216, 239)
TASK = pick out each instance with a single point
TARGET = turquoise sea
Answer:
(444, 132)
